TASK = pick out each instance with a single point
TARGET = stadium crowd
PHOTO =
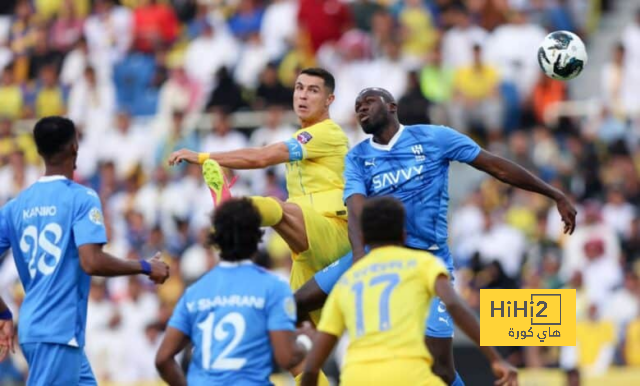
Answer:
(137, 76)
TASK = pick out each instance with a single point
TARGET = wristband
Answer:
(6, 315)
(202, 157)
(305, 342)
(146, 267)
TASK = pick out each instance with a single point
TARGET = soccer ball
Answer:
(562, 55)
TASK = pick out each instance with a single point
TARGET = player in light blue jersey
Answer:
(411, 163)
(55, 229)
(237, 316)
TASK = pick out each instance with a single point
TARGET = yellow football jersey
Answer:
(383, 301)
(316, 167)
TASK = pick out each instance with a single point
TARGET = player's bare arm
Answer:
(249, 158)
(287, 352)
(7, 331)
(95, 262)
(173, 342)
(514, 174)
(462, 316)
(323, 344)
(354, 210)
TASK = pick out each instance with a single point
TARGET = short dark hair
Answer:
(382, 221)
(237, 230)
(329, 80)
(52, 134)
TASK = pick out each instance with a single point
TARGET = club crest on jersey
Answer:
(304, 137)
(417, 150)
(95, 216)
(290, 308)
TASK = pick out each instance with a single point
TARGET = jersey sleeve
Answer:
(332, 320)
(354, 180)
(454, 145)
(180, 318)
(88, 221)
(430, 268)
(315, 142)
(5, 240)
(281, 309)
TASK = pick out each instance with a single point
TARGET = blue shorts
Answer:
(438, 324)
(52, 364)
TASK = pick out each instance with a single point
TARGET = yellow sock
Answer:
(270, 210)
(322, 379)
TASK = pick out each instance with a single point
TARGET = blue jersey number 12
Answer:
(391, 280)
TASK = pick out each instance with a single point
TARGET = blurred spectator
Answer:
(11, 142)
(42, 56)
(247, 18)
(413, 107)
(363, 11)
(624, 304)
(458, 42)
(612, 78)
(92, 103)
(11, 95)
(227, 95)
(124, 146)
(631, 42)
(632, 343)
(179, 137)
(323, 21)
(596, 341)
(476, 101)
(546, 93)
(49, 96)
(68, 26)
(594, 230)
(22, 38)
(154, 25)
(618, 213)
(198, 259)
(222, 137)
(17, 176)
(253, 59)
(271, 91)
(278, 27)
(436, 83)
(109, 30)
(417, 29)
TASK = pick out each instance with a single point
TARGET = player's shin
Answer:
(270, 210)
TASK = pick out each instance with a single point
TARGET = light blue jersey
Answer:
(414, 168)
(44, 226)
(228, 314)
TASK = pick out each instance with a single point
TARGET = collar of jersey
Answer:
(388, 146)
(51, 178)
(231, 264)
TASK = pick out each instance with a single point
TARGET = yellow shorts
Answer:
(328, 239)
(414, 372)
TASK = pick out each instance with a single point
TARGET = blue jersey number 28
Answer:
(390, 280)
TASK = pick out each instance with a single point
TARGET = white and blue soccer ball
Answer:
(562, 55)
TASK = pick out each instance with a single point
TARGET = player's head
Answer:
(313, 94)
(382, 222)
(375, 109)
(57, 141)
(237, 230)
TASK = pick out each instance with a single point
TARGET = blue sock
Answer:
(458, 381)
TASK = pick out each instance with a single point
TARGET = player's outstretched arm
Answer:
(95, 262)
(354, 209)
(515, 175)
(173, 342)
(249, 158)
(322, 346)
(463, 317)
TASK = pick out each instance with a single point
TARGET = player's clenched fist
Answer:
(183, 155)
(157, 270)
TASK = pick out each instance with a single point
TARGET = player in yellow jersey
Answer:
(314, 212)
(383, 301)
